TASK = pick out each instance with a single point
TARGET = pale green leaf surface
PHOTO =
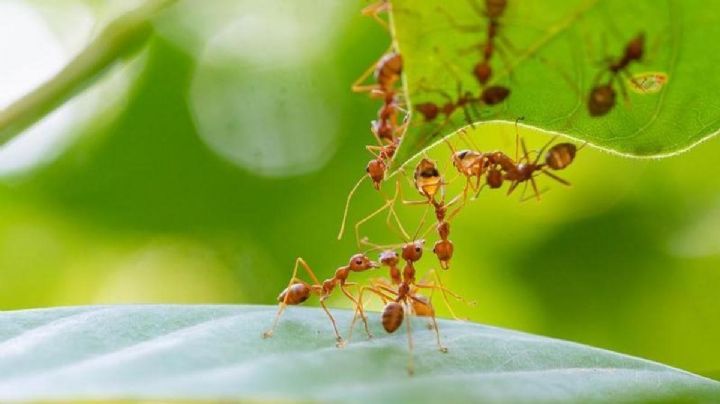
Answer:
(216, 352)
(553, 50)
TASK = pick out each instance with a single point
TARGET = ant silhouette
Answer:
(298, 291)
(602, 96)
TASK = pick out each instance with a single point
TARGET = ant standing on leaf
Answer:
(602, 96)
(298, 291)
(403, 298)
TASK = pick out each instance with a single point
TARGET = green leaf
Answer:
(553, 51)
(216, 352)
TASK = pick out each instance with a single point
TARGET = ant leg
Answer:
(556, 178)
(434, 326)
(281, 309)
(357, 85)
(411, 365)
(392, 212)
(461, 27)
(374, 10)
(347, 207)
(282, 305)
(623, 89)
(512, 187)
(478, 8)
(542, 149)
(359, 308)
(535, 188)
(468, 118)
(340, 342)
(443, 292)
(387, 204)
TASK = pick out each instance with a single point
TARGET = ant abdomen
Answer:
(602, 99)
(392, 316)
(495, 94)
(560, 156)
(388, 69)
(422, 307)
(294, 294)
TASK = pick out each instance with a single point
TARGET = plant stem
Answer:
(119, 39)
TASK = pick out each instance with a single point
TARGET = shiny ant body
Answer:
(298, 290)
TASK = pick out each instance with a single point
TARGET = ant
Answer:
(602, 96)
(385, 129)
(493, 10)
(386, 71)
(298, 291)
(522, 170)
(430, 183)
(411, 252)
(401, 300)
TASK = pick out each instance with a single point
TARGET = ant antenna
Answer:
(517, 136)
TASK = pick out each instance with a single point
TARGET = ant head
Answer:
(412, 252)
(389, 258)
(601, 100)
(360, 262)
(376, 171)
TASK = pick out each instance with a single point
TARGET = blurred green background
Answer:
(198, 172)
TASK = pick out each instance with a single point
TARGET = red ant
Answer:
(493, 10)
(429, 183)
(299, 291)
(602, 96)
(522, 170)
(387, 71)
(405, 299)
(430, 110)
